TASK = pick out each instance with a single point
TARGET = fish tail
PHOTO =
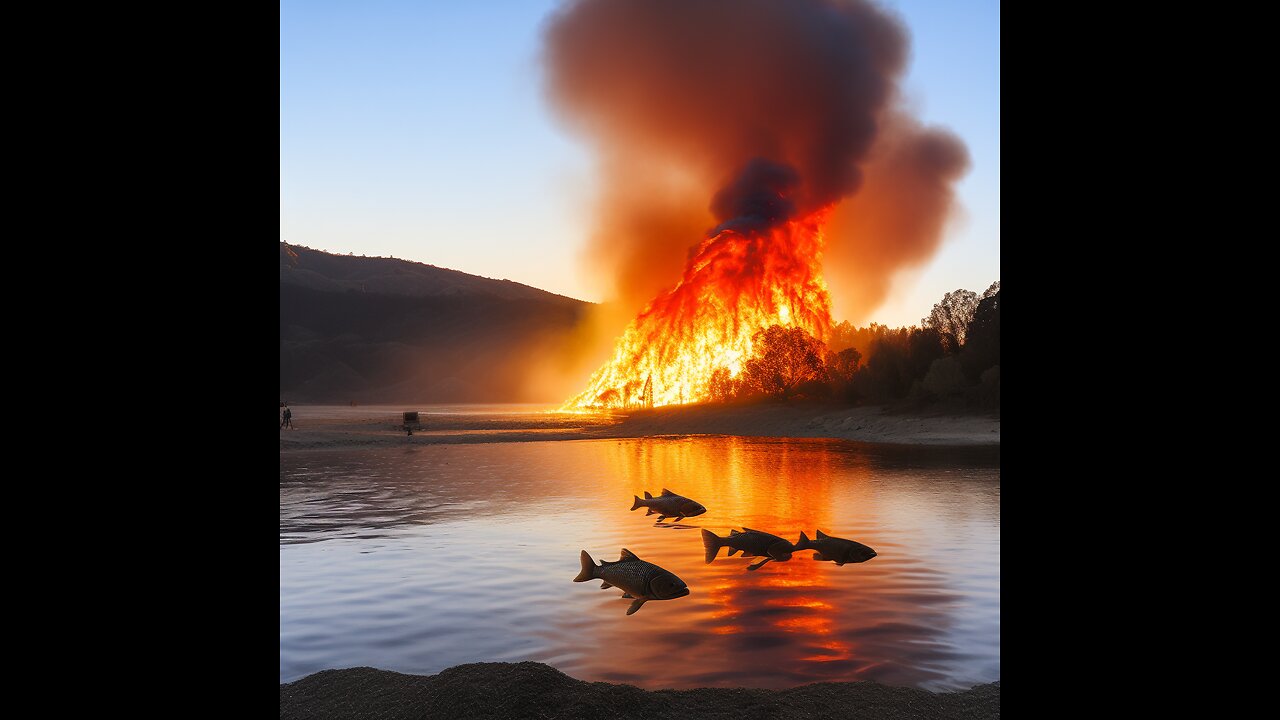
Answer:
(637, 503)
(712, 543)
(588, 568)
(803, 542)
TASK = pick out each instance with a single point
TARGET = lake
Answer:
(415, 559)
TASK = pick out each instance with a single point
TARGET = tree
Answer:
(982, 350)
(842, 367)
(720, 386)
(784, 358)
(951, 318)
(844, 364)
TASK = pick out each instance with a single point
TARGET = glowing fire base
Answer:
(736, 284)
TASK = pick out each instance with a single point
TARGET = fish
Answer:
(639, 580)
(837, 550)
(752, 543)
(668, 504)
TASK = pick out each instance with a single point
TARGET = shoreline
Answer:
(536, 690)
(323, 427)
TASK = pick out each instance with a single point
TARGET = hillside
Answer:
(375, 330)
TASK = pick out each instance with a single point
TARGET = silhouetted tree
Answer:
(982, 349)
(884, 377)
(844, 335)
(841, 368)
(784, 359)
(951, 317)
(924, 345)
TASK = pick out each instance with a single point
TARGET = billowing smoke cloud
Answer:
(896, 220)
(733, 113)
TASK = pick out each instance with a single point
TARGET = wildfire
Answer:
(736, 283)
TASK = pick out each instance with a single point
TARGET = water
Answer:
(415, 559)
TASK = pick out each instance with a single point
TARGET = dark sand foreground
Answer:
(334, 427)
(535, 690)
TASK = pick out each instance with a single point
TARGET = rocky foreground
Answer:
(535, 690)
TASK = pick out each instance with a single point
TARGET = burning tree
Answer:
(785, 359)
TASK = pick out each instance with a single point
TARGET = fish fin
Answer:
(818, 556)
(747, 529)
(588, 568)
(627, 555)
(647, 496)
(759, 565)
(628, 595)
(840, 563)
(661, 518)
(637, 503)
(636, 605)
(605, 585)
(649, 513)
(711, 543)
(803, 542)
(667, 492)
(822, 535)
(679, 518)
(733, 551)
(734, 532)
(746, 554)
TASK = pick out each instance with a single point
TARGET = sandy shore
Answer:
(337, 427)
(535, 690)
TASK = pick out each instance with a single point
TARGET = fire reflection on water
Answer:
(790, 622)
(467, 554)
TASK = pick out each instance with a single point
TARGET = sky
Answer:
(420, 130)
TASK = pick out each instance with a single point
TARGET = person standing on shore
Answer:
(287, 422)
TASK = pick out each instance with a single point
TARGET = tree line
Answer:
(953, 356)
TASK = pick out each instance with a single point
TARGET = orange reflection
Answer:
(796, 621)
(798, 602)
(833, 651)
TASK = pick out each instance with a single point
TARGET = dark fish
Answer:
(668, 504)
(641, 581)
(837, 550)
(752, 543)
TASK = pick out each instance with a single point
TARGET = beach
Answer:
(535, 690)
(320, 427)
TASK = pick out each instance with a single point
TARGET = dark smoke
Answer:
(757, 197)
(759, 109)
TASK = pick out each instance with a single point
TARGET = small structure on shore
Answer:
(410, 422)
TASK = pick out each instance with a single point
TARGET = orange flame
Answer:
(735, 284)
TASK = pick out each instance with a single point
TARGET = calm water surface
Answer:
(419, 558)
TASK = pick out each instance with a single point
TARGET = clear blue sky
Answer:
(419, 130)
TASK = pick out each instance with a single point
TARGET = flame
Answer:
(736, 283)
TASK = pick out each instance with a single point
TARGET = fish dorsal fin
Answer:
(667, 492)
(821, 535)
(627, 555)
(747, 529)
(647, 496)
(734, 532)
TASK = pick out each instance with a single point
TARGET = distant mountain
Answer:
(320, 270)
(381, 330)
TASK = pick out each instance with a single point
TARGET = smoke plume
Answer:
(713, 114)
